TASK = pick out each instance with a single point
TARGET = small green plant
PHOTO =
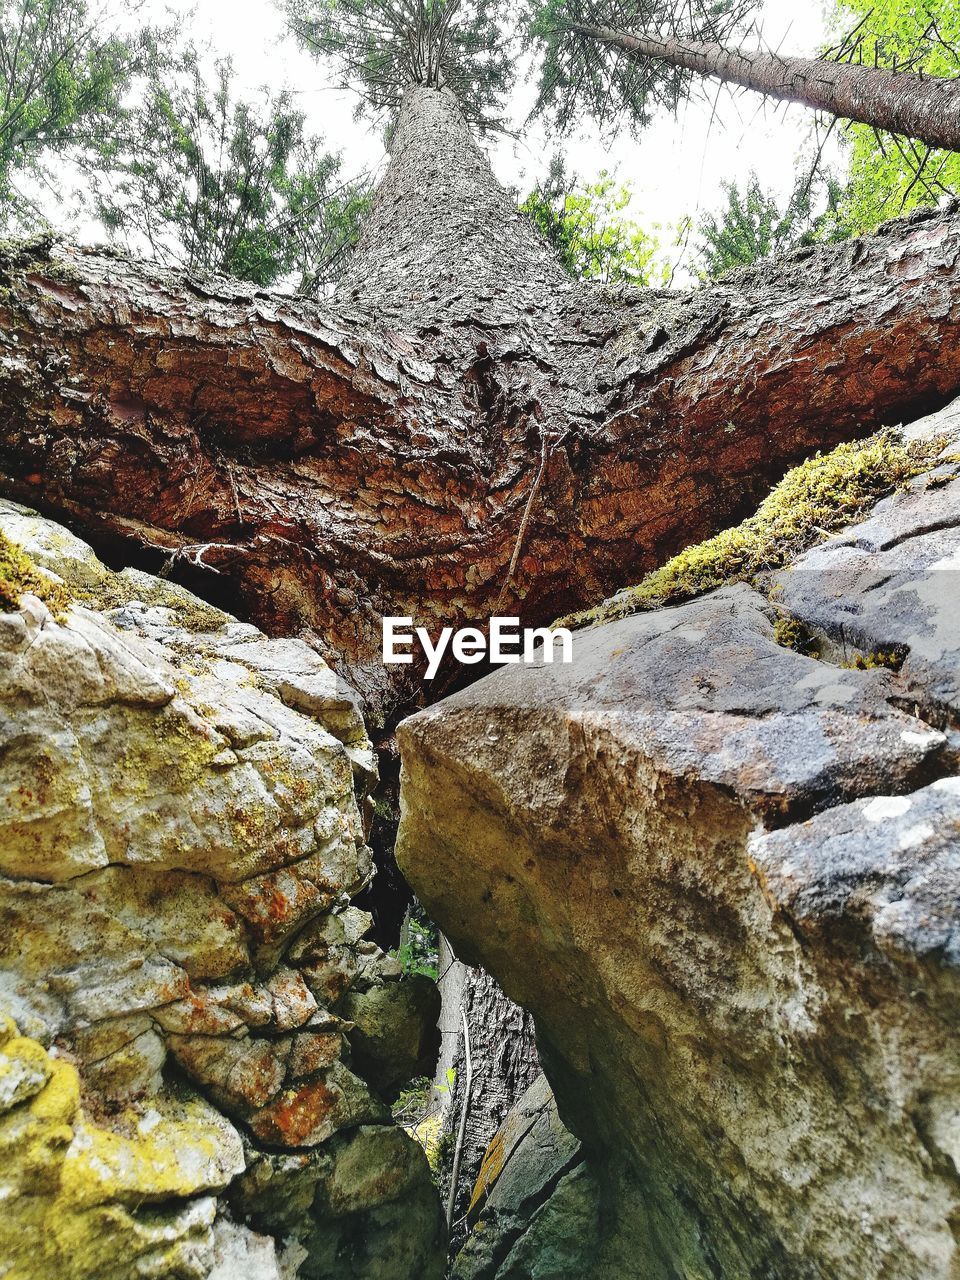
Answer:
(419, 942)
(410, 1107)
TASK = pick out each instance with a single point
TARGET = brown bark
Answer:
(378, 454)
(908, 103)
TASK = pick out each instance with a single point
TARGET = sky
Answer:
(675, 169)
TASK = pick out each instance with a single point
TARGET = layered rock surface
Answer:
(723, 877)
(181, 833)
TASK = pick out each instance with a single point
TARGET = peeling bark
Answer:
(334, 463)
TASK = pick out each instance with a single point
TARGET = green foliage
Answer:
(215, 183)
(753, 226)
(419, 944)
(589, 231)
(889, 176)
(61, 81)
(381, 47)
(823, 494)
(581, 75)
(411, 1105)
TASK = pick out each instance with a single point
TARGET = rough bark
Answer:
(505, 1063)
(908, 103)
(381, 454)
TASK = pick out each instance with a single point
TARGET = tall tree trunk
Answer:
(461, 431)
(908, 103)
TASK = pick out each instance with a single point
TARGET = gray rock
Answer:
(891, 585)
(362, 1206)
(395, 1037)
(535, 1209)
(676, 853)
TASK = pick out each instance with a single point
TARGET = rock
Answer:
(722, 877)
(891, 586)
(362, 1206)
(238, 1251)
(180, 807)
(84, 1199)
(395, 1038)
(535, 1209)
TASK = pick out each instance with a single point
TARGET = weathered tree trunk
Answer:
(461, 431)
(382, 454)
(917, 106)
(504, 1059)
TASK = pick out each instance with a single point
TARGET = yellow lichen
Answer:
(819, 497)
(19, 576)
(74, 1191)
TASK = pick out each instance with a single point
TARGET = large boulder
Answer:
(181, 833)
(724, 876)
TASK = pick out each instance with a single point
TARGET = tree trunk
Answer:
(379, 455)
(908, 103)
(462, 431)
(504, 1058)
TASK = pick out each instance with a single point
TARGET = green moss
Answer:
(19, 576)
(817, 498)
(891, 659)
(792, 634)
(116, 589)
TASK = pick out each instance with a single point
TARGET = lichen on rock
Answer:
(182, 829)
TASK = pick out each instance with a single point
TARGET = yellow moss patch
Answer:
(819, 497)
(792, 634)
(19, 576)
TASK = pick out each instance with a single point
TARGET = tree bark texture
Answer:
(906, 102)
(505, 1063)
(459, 407)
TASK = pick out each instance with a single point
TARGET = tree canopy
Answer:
(590, 231)
(61, 80)
(754, 224)
(889, 175)
(382, 46)
(581, 76)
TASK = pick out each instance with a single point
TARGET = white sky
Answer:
(675, 168)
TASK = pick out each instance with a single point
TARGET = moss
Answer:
(817, 498)
(792, 634)
(116, 589)
(19, 576)
(891, 658)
